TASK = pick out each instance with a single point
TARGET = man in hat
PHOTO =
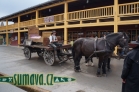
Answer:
(130, 73)
(54, 41)
(53, 37)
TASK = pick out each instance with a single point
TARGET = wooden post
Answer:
(99, 34)
(65, 23)
(7, 36)
(19, 37)
(37, 15)
(116, 13)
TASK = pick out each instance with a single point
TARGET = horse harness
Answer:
(107, 44)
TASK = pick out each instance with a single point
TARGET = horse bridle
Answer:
(124, 48)
(109, 44)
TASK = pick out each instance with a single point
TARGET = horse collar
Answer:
(109, 44)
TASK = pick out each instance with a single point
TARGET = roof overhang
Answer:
(48, 3)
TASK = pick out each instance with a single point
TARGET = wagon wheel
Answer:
(39, 54)
(62, 57)
(49, 57)
(27, 53)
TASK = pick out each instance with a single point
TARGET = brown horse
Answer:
(86, 46)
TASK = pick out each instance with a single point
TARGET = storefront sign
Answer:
(49, 19)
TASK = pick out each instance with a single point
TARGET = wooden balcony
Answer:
(91, 13)
(27, 23)
(129, 13)
(2, 28)
(12, 26)
(129, 9)
(91, 17)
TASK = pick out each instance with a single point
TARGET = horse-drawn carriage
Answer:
(88, 47)
(40, 45)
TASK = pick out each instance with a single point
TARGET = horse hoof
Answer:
(98, 75)
(104, 75)
(108, 70)
(77, 70)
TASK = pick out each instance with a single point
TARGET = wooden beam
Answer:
(37, 15)
(128, 22)
(27, 12)
(91, 24)
(7, 36)
(50, 28)
(19, 36)
(116, 13)
(12, 17)
(65, 23)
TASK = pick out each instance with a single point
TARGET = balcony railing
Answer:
(28, 23)
(91, 13)
(12, 26)
(2, 28)
(129, 8)
(57, 18)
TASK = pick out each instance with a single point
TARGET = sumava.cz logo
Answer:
(35, 79)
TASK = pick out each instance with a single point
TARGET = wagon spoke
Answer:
(49, 57)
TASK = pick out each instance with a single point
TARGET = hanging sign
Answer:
(49, 19)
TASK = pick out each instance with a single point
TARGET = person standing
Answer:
(130, 73)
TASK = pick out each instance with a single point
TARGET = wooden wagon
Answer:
(40, 45)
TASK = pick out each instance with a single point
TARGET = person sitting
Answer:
(54, 42)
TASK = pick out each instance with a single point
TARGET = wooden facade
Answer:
(77, 18)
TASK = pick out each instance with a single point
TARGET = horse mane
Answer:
(114, 34)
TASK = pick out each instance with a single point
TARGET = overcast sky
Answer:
(11, 6)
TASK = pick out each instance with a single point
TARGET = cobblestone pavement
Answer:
(12, 61)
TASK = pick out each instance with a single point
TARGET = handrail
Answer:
(28, 23)
(90, 13)
(2, 28)
(15, 25)
(129, 8)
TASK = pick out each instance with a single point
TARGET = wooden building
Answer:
(74, 18)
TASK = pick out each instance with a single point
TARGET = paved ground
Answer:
(13, 61)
